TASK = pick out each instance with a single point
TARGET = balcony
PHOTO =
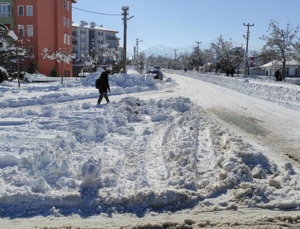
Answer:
(74, 34)
(111, 38)
(74, 42)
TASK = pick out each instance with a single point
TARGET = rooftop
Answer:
(92, 25)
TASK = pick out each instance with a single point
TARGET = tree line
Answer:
(281, 44)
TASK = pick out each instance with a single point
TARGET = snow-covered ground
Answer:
(196, 150)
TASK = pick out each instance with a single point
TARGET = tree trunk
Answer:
(62, 76)
(18, 67)
(283, 70)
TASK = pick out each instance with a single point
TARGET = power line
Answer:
(88, 11)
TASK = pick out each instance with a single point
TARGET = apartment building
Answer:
(87, 37)
(43, 24)
(7, 13)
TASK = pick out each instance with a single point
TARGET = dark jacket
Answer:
(104, 82)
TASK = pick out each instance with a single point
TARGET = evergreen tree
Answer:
(32, 68)
(53, 72)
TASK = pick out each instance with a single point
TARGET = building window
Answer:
(4, 10)
(69, 38)
(68, 5)
(29, 10)
(64, 4)
(20, 10)
(30, 30)
(65, 38)
(68, 23)
(65, 22)
(21, 30)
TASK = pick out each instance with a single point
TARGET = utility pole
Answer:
(166, 60)
(125, 9)
(247, 38)
(175, 55)
(137, 46)
(198, 42)
(137, 53)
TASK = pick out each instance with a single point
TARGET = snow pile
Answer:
(132, 156)
(124, 81)
(39, 78)
(285, 93)
(53, 92)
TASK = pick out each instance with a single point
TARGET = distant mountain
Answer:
(162, 50)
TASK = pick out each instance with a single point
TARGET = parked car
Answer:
(157, 74)
(156, 67)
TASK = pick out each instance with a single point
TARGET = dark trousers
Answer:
(103, 94)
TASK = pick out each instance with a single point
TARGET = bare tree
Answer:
(140, 60)
(224, 55)
(280, 43)
(297, 51)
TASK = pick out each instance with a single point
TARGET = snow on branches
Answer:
(63, 56)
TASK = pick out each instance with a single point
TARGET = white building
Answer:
(292, 68)
(88, 37)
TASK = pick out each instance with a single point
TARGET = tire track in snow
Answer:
(157, 169)
(133, 174)
(179, 152)
(208, 151)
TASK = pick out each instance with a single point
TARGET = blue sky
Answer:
(179, 23)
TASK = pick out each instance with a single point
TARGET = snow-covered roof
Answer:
(278, 63)
(92, 26)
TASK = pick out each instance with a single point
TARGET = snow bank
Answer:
(133, 156)
(53, 92)
(285, 93)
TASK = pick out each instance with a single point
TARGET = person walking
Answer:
(104, 86)
(277, 75)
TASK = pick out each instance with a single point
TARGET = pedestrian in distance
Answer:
(227, 72)
(104, 86)
(278, 75)
(232, 71)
